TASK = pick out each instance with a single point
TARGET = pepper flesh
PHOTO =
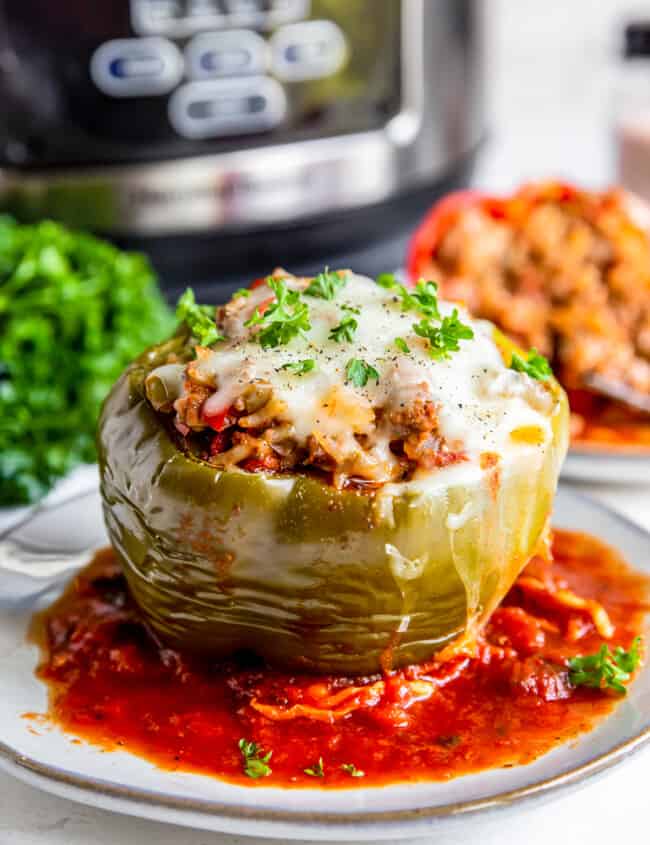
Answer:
(303, 574)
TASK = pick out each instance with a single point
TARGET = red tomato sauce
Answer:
(597, 423)
(112, 683)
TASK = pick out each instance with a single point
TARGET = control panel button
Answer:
(245, 12)
(136, 67)
(175, 18)
(153, 17)
(183, 18)
(308, 50)
(236, 52)
(220, 107)
(286, 11)
(265, 15)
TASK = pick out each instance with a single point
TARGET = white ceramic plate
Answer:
(45, 757)
(607, 467)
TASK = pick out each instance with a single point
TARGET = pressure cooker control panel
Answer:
(225, 68)
(180, 18)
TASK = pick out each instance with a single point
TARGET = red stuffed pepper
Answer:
(563, 270)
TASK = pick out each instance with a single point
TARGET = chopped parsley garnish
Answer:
(199, 319)
(423, 297)
(443, 333)
(352, 770)
(358, 372)
(426, 295)
(402, 345)
(326, 285)
(316, 771)
(605, 669)
(386, 280)
(284, 319)
(299, 368)
(345, 330)
(409, 302)
(443, 339)
(245, 292)
(255, 763)
(536, 366)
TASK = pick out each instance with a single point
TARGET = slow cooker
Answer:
(225, 137)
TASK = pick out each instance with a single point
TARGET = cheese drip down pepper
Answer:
(306, 569)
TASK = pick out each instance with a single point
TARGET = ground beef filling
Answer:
(569, 276)
(253, 435)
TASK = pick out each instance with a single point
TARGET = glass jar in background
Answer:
(632, 111)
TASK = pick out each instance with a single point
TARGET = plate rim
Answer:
(612, 468)
(607, 454)
(238, 812)
(17, 763)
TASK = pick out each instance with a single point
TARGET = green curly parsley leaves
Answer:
(536, 366)
(74, 311)
(444, 338)
(423, 297)
(426, 299)
(326, 285)
(317, 770)
(345, 330)
(285, 318)
(351, 769)
(386, 280)
(605, 669)
(358, 372)
(256, 764)
(200, 319)
(300, 368)
(402, 345)
(443, 333)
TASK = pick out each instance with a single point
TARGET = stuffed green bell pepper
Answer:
(337, 474)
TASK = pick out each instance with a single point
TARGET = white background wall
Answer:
(552, 67)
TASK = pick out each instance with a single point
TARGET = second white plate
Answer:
(603, 467)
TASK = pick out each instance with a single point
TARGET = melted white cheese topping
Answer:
(480, 402)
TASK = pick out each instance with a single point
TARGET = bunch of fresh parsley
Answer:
(74, 311)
